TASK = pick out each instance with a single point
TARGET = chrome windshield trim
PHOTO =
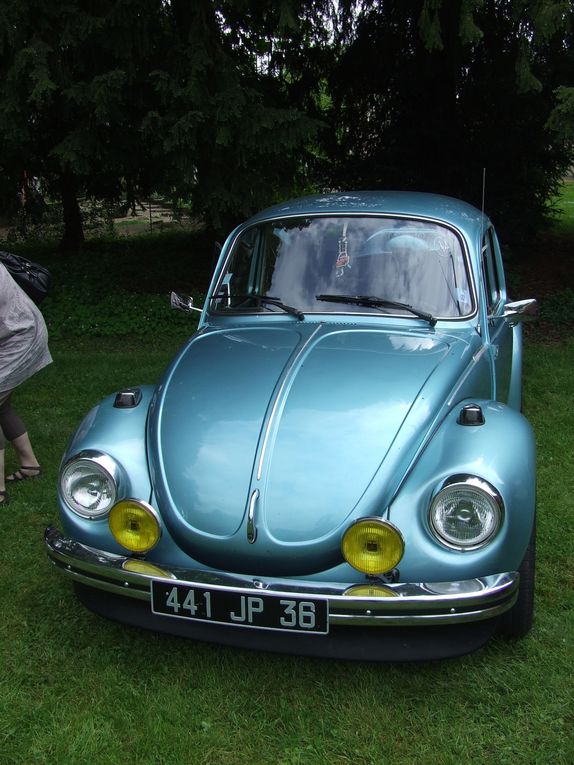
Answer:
(416, 217)
(411, 603)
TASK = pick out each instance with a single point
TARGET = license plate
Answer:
(240, 608)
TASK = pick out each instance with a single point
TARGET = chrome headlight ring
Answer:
(89, 484)
(466, 513)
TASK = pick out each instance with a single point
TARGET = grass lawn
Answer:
(564, 223)
(76, 688)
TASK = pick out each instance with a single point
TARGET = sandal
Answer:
(18, 475)
(4, 498)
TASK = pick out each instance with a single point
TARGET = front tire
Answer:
(517, 622)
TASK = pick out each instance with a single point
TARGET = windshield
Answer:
(286, 264)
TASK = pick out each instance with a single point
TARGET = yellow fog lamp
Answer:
(370, 591)
(372, 545)
(134, 525)
(135, 566)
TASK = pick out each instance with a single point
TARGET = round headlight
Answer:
(466, 513)
(88, 484)
(134, 525)
(372, 546)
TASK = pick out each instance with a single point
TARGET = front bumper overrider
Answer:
(414, 604)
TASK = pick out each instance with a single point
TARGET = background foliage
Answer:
(123, 286)
(227, 105)
(432, 95)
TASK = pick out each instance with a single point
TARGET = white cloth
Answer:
(23, 335)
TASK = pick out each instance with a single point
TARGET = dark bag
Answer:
(33, 278)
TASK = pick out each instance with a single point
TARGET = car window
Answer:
(293, 260)
(490, 272)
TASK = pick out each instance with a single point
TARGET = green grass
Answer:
(76, 689)
(564, 205)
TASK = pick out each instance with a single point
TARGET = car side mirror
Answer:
(521, 310)
(183, 303)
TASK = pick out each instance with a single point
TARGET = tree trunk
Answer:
(73, 237)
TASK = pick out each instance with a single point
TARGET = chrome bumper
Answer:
(417, 604)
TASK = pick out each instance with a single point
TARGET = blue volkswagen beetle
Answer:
(336, 463)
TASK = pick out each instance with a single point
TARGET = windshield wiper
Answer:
(265, 300)
(376, 302)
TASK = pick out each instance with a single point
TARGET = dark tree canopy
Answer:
(73, 95)
(427, 95)
(232, 104)
(147, 95)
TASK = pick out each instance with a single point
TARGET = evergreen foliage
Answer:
(429, 93)
(232, 104)
(140, 96)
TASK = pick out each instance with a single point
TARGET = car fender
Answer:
(121, 434)
(502, 452)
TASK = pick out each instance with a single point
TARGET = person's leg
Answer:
(2, 482)
(3, 494)
(14, 431)
(29, 465)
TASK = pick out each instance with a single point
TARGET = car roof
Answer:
(463, 216)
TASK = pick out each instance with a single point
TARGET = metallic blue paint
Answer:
(310, 416)
(329, 419)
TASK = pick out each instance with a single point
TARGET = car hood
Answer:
(266, 442)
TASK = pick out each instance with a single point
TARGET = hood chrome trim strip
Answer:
(251, 528)
(279, 396)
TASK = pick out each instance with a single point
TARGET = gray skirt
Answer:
(22, 355)
(23, 335)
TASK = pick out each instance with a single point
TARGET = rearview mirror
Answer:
(521, 310)
(183, 303)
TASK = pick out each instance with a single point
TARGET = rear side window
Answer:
(490, 272)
